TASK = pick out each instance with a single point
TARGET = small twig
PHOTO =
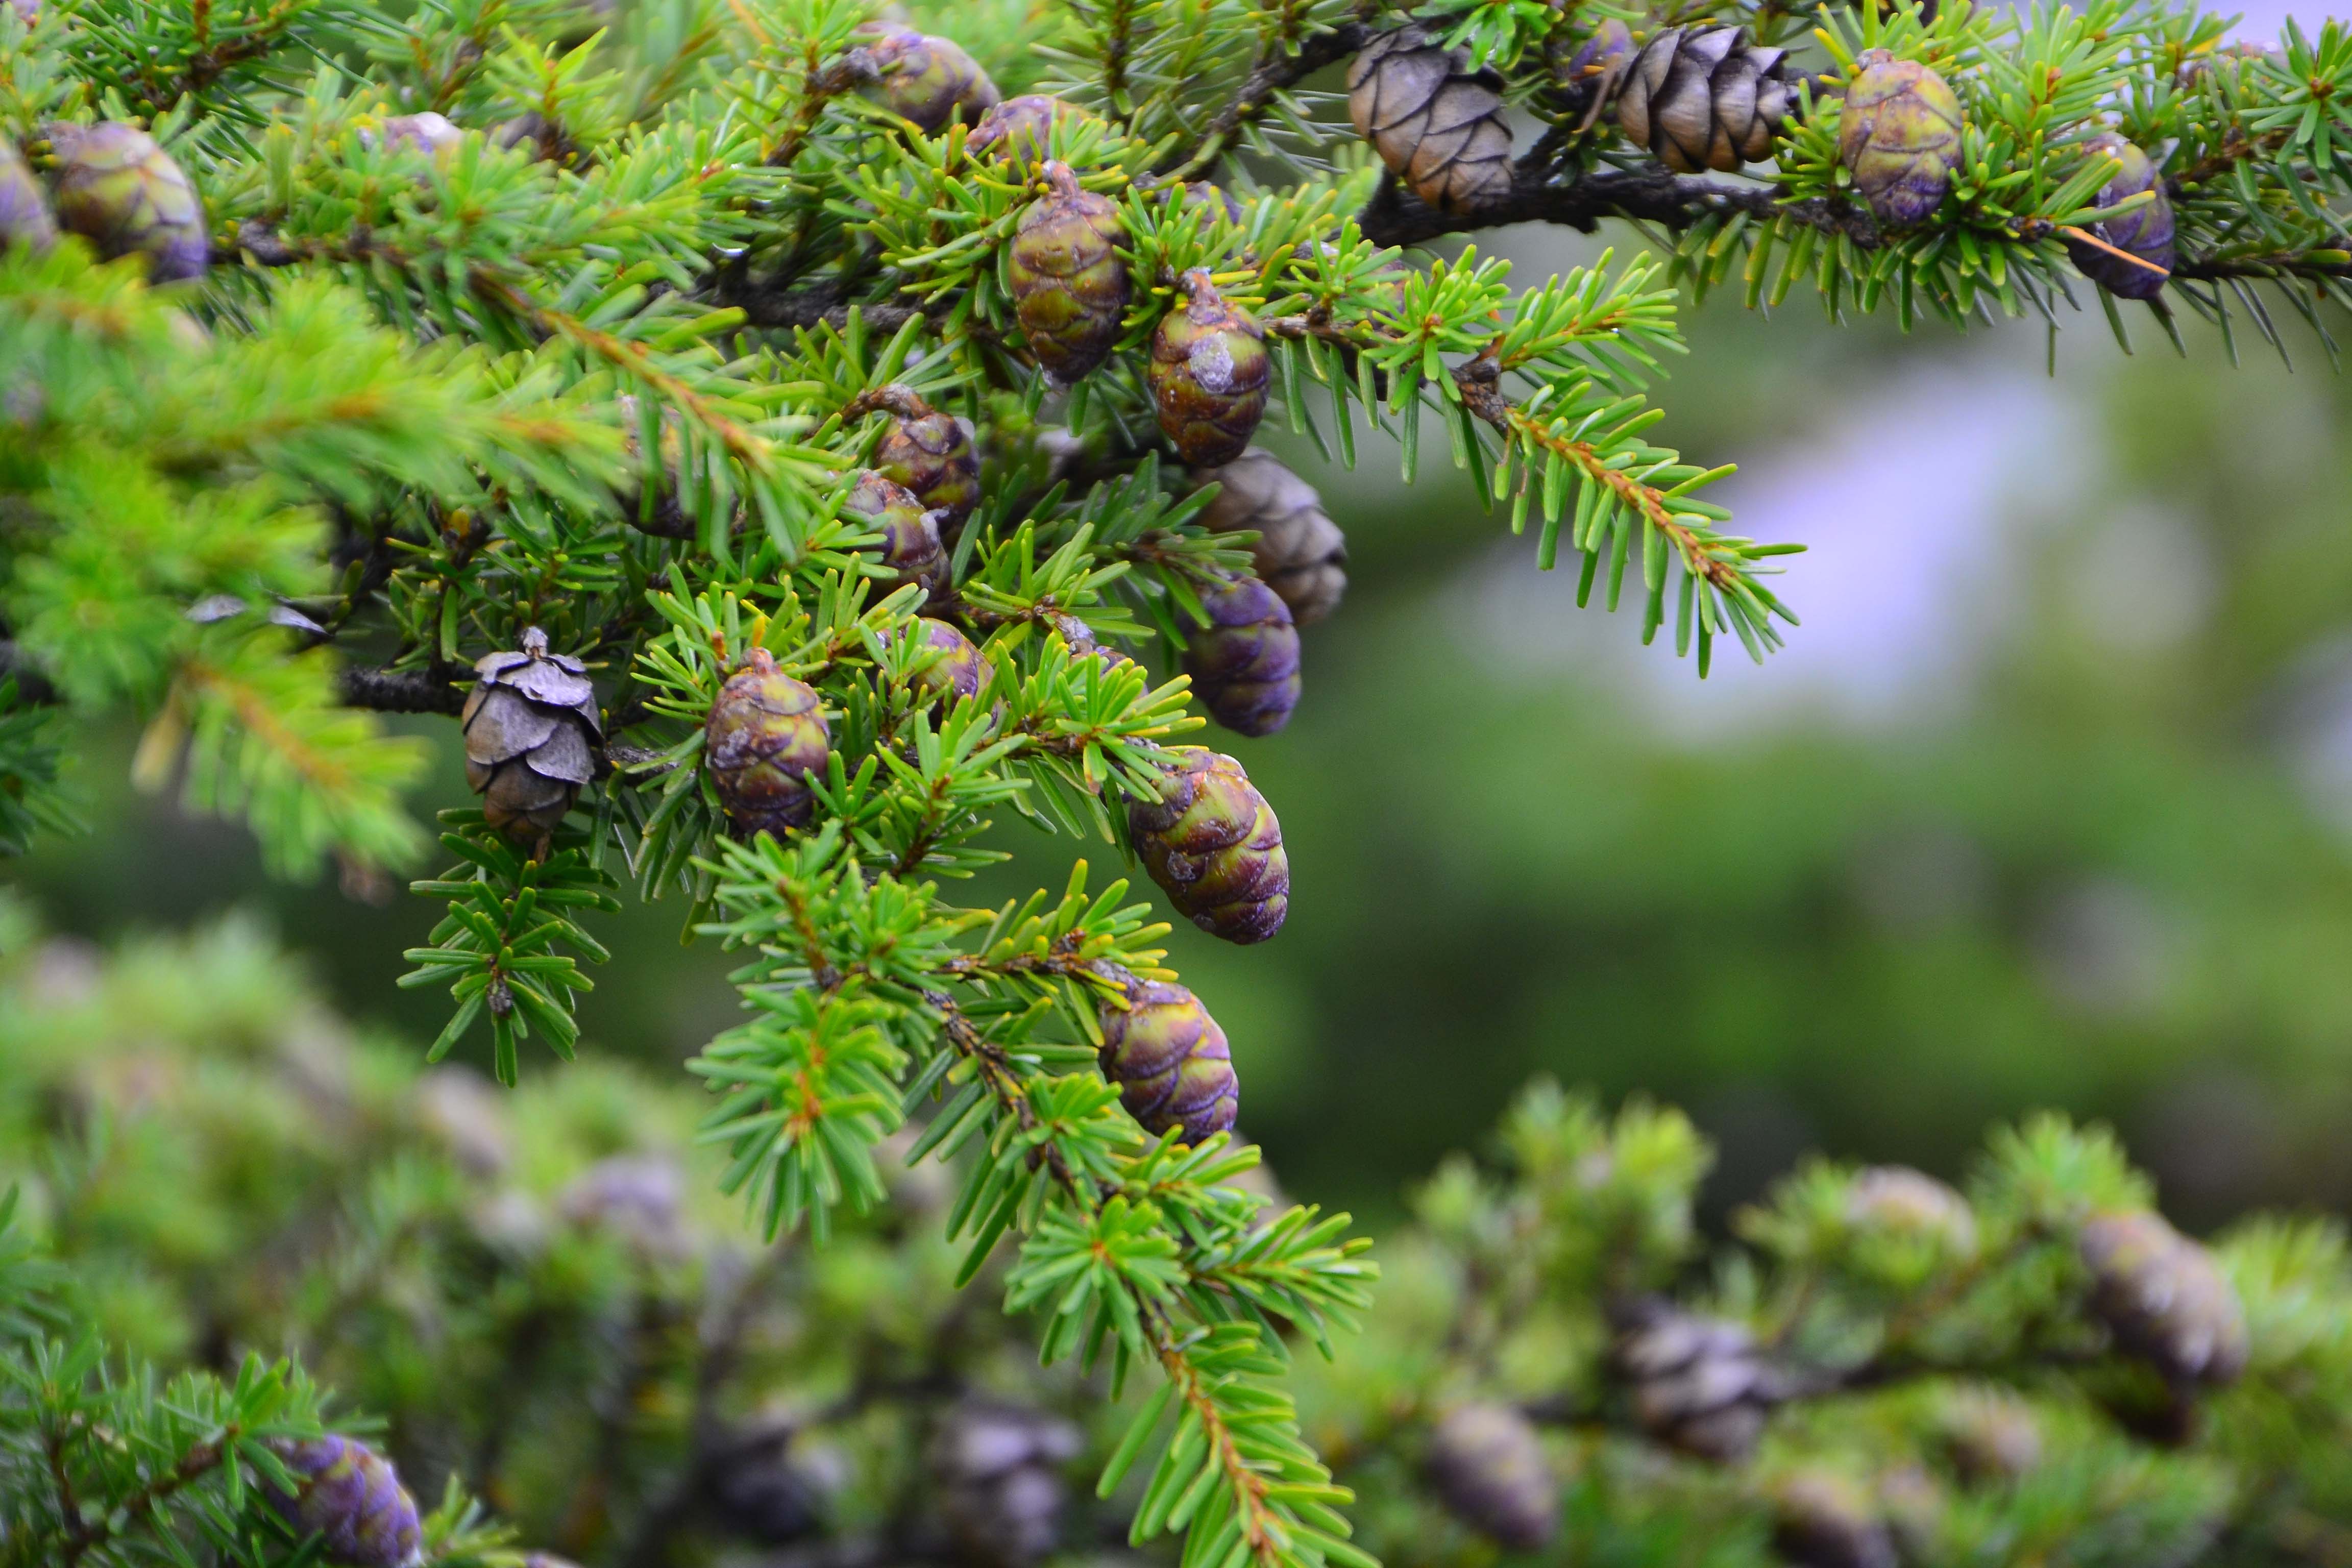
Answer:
(194, 1464)
(400, 690)
(1267, 77)
(1650, 195)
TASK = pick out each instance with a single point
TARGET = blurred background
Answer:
(2048, 802)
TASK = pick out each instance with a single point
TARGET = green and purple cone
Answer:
(765, 737)
(931, 455)
(922, 79)
(532, 731)
(2145, 233)
(1021, 128)
(122, 193)
(350, 1497)
(1209, 376)
(1170, 1061)
(1070, 285)
(24, 211)
(1899, 136)
(961, 671)
(1488, 1467)
(2163, 1298)
(1245, 662)
(1214, 845)
(910, 535)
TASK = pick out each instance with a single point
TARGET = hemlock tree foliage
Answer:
(544, 1300)
(788, 439)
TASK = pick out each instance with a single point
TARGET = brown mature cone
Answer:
(1300, 553)
(2164, 1297)
(1069, 286)
(766, 736)
(1824, 1520)
(922, 79)
(1214, 846)
(1704, 97)
(1699, 1383)
(532, 732)
(1245, 661)
(1209, 374)
(1488, 1467)
(931, 454)
(910, 535)
(1437, 127)
(1170, 1060)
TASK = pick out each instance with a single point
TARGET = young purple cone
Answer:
(1300, 553)
(1589, 74)
(1438, 127)
(1069, 286)
(24, 211)
(1214, 845)
(1899, 134)
(1245, 661)
(1705, 98)
(1170, 1061)
(1991, 1435)
(122, 193)
(348, 1496)
(922, 79)
(910, 535)
(931, 453)
(765, 737)
(426, 132)
(1209, 376)
(1897, 1200)
(532, 732)
(1488, 1466)
(2163, 1298)
(960, 670)
(2143, 235)
(1207, 193)
(1824, 1520)
(1020, 127)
